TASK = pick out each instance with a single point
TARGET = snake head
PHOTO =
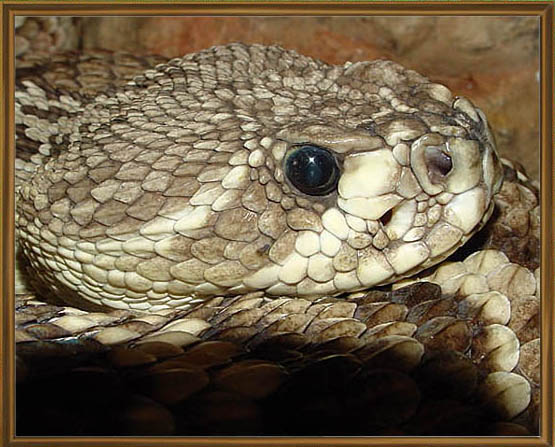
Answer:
(252, 168)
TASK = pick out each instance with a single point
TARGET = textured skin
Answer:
(452, 352)
(172, 188)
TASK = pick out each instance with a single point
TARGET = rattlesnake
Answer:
(251, 194)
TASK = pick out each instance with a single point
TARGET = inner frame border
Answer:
(544, 10)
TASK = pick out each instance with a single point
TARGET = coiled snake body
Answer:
(246, 176)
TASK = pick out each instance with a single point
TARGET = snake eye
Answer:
(312, 170)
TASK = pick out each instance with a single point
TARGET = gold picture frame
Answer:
(544, 11)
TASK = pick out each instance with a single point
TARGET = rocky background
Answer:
(494, 61)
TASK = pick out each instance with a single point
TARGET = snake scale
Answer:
(237, 233)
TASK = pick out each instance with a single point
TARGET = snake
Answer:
(248, 187)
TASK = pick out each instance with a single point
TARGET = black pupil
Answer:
(312, 170)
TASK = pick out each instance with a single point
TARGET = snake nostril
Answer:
(438, 161)
(386, 218)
